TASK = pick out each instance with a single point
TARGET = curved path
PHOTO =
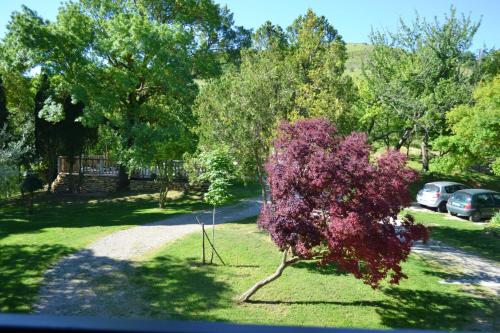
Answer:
(93, 281)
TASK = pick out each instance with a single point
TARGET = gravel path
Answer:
(464, 268)
(94, 281)
(82, 283)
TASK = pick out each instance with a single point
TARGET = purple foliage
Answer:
(330, 202)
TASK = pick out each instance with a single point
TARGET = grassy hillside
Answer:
(357, 54)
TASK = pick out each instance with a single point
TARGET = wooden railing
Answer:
(99, 165)
(88, 165)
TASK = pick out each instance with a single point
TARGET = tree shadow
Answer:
(51, 211)
(475, 241)
(435, 310)
(340, 303)
(312, 266)
(177, 290)
(21, 271)
(465, 278)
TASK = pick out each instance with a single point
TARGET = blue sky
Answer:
(352, 18)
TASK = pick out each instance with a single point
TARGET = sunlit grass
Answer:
(60, 225)
(177, 286)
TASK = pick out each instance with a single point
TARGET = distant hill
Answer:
(357, 54)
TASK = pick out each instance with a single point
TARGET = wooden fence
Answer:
(100, 165)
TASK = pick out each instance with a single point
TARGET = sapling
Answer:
(217, 168)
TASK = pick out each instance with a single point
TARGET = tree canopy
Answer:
(475, 132)
(415, 76)
(330, 203)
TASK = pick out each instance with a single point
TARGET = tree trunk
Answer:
(71, 179)
(406, 135)
(260, 175)
(213, 235)
(163, 195)
(425, 153)
(284, 264)
(80, 174)
(52, 168)
(123, 181)
(30, 204)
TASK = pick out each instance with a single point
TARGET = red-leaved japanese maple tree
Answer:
(331, 202)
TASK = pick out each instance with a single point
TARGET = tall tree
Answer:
(332, 204)
(475, 132)
(47, 142)
(284, 76)
(415, 76)
(318, 54)
(242, 108)
(129, 62)
(3, 106)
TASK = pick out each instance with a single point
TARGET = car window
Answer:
(483, 199)
(431, 188)
(461, 187)
(461, 197)
(449, 189)
(496, 197)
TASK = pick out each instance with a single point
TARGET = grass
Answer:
(176, 286)
(64, 224)
(468, 236)
(358, 54)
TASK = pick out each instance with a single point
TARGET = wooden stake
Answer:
(203, 242)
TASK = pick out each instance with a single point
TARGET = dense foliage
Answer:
(414, 76)
(144, 82)
(293, 75)
(331, 203)
(475, 132)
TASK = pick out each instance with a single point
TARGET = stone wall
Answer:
(90, 183)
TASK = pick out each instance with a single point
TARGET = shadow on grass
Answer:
(340, 303)
(177, 290)
(436, 310)
(469, 278)
(313, 267)
(21, 269)
(85, 284)
(475, 241)
(52, 211)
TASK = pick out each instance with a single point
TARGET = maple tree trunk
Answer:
(284, 264)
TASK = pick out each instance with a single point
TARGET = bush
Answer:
(30, 184)
(493, 227)
(9, 180)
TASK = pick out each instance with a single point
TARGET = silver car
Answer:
(436, 194)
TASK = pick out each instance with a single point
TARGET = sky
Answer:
(353, 19)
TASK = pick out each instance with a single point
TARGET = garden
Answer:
(159, 161)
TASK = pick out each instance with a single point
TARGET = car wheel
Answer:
(475, 217)
(442, 207)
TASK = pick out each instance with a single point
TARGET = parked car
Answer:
(436, 194)
(475, 204)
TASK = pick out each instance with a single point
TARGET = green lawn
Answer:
(176, 286)
(465, 235)
(64, 224)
